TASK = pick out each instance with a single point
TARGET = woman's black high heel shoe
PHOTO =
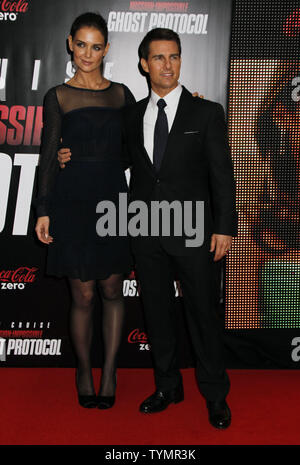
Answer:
(105, 402)
(86, 401)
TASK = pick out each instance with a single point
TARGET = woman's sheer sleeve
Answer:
(126, 156)
(48, 164)
(129, 97)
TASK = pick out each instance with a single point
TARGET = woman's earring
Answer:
(74, 67)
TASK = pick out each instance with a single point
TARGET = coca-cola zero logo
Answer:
(9, 9)
(18, 278)
(138, 337)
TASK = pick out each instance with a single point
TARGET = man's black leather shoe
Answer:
(160, 400)
(219, 414)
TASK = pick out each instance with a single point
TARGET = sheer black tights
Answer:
(81, 326)
(111, 291)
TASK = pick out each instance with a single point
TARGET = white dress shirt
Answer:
(171, 99)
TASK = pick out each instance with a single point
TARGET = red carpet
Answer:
(38, 406)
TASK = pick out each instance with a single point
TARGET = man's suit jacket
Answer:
(196, 166)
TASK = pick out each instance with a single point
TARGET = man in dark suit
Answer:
(178, 150)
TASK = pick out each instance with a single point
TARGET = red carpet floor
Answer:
(39, 407)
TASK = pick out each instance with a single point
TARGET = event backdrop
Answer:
(263, 269)
(262, 318)
(33, 58)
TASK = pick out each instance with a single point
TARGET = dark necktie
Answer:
(160, 134)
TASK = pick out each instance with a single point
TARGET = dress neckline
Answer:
(89, 90)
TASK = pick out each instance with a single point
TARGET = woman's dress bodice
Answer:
(89, 123)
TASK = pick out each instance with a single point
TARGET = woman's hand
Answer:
(63, 156)
(42, 229)
(196, 94)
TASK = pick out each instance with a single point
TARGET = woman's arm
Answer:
(48, 165)
(126, 156)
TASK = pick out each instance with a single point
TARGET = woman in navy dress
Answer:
(85, 115)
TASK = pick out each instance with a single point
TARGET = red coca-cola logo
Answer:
(23, 274)
(19, 6)
(291, 26)
(137, 336)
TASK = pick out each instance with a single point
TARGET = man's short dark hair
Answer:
(157, 34)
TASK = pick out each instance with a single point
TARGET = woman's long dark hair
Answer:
(90, 20)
